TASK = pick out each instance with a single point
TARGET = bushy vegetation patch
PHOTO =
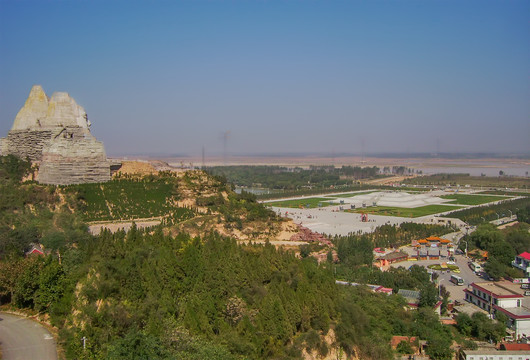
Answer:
(406, 212)
(502, 247)
(466, 179)
(463, 199)
(309, 203)
(125, 199)
(480, 214)
(278, 177)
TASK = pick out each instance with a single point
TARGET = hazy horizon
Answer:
(344, 77)
(425, 155)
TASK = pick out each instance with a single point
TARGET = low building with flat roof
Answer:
(518, 320)
(487, 294)
(505, 297)
(493, 355)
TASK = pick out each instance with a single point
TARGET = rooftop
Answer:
(397, 339)
(492, 352)
(515, 347)
(411, 296)
(434, 238)
(500, 288)
(521, 312)
(395, 255)
(525, 255)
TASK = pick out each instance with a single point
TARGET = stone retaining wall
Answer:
(74, 157)
(27, 143)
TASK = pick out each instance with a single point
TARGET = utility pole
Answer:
(466, 246)
(225, 140)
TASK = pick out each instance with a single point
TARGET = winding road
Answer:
(23, 339)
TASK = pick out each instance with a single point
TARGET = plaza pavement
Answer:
(331, 221)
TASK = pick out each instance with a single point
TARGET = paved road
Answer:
(456, 292)
(24, 339)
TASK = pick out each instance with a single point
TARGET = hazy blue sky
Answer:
(281, 76)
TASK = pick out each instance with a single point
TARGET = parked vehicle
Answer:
(457, 280)
(475, 267)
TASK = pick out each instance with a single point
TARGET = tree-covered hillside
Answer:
(161, 293)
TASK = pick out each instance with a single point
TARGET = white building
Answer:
(522, 261)
(505, 297)
(493, 355)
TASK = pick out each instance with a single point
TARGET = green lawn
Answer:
(439, 267)
(465, 199)
(309, 202)
(406, 212)
(350, 194)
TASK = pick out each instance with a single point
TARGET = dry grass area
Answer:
(388, 180)
(137, 167)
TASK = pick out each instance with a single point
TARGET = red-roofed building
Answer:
(448, 321)
(398, 339)
(418, 347)
(433, 248)
(522, 261)
(383, 290)
(525, 255)
(396, 256)
(35, 249)
(505, 297)
(487, 294)
(515, 347)
(432, 239)
(379, 250)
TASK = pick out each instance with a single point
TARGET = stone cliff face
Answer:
(35, 109)
(56, 133)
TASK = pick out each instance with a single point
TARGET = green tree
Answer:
(136, 345)
(404, 347)
(464, 324)
(428, 295)
(305, 250)
(495, 268)
(50, 284)
(28, 283)
(13, 169)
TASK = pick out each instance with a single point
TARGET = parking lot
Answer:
(456, 291)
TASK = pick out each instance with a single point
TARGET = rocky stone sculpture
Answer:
(56, 134)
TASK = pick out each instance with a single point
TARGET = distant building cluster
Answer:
(432, 248)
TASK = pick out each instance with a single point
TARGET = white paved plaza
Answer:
(330, 220)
